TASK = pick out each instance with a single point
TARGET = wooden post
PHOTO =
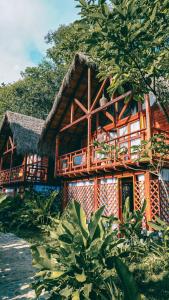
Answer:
(147, 196)
(72, 113)
(25, 167)
(11, 162)
(148, 123)
(89, 89)
(89, 119)
(56, 155)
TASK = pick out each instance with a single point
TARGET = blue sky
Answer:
(23, 25)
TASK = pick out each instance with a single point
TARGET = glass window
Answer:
(112, 135)
(123, 148)
(135, 126)
(64, 163)
(78, 160)
(140, 177)
(123, 131)
(136, 142)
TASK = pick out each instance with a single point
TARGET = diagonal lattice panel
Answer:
(84, 195)
(164, 200)
(139, 194)
(154, 199)
(107, 195)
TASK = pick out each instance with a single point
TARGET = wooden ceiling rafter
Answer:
(109, 116)
(99, 94)
(96, 111)
(79, 104)
(124, 108)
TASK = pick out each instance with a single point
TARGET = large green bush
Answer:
(89, 260)
(33, 212)
(84, 260)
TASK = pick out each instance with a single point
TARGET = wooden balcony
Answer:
(121, 153)
(35, 172)
(87, 160)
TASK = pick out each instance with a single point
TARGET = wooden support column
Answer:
(72, 113)
(148, 123)
(56, 155)
(25, 167)
(147, 196)
(11, 162)
(89, 120)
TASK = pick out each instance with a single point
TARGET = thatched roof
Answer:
(74, 85)
(26, 131)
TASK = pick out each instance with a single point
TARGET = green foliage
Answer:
(162, 227)
(33, 94)
(32, 212)
(84, 260)
(131, 225)
(129, 41)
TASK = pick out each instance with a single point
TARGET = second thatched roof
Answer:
(26, 131)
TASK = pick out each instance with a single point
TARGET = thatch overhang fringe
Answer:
(26, 131)
(69, 89)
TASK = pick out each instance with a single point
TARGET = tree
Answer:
(34, 93)
(129, 41)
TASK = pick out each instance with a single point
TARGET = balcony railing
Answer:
(35, 172)
(72, 162)
(120, 151)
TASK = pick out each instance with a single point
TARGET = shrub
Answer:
(84, 261)
(32, 212)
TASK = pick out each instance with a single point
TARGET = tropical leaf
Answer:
(127, 279)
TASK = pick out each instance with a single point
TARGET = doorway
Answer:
(127, 191)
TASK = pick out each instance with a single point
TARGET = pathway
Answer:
(16, 269)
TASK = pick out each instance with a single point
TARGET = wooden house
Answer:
(84, 119)
(20, 163)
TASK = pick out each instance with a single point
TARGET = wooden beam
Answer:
(148, 124)
(83, 108)
(56, 155)
(111, 102)
(73, 123)
(72, 113)
(99, 94)
(88, 141)
(109, 116)
(89, 88)
(124, 109)
(147, 195)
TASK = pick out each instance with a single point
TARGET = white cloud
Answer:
(23, 24)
